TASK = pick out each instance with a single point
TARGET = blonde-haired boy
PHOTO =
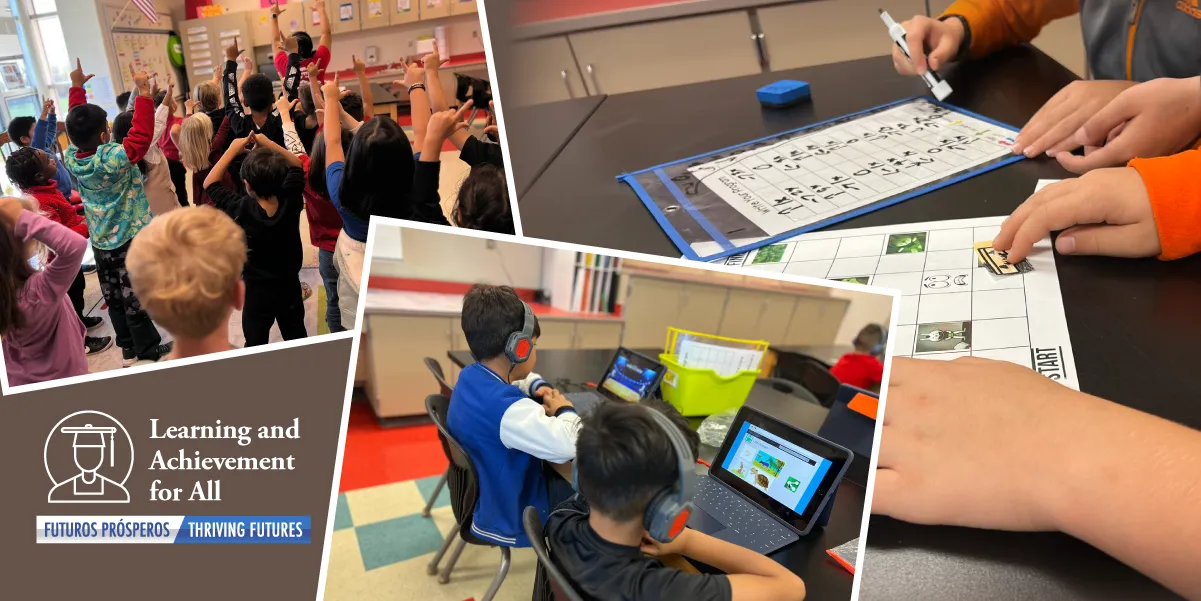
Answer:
(186, 268)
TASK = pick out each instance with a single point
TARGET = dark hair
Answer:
(123, 101)
(159, 98)
(305, 92)
(352, 103)
(316, 176)
(483, 202)
(379, 172)
(257, 92)
(85, 123)
(871, 335)
(14, 272)
(490, 314)
(304, 44)
(20, 127)
(24, 168)
(264, 171)
(623, 459)
(121, 126)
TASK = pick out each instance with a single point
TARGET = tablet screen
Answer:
(632, 377)
(783, 469)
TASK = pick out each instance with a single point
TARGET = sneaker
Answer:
(305, 291)
(128, 358)
(97, 345)
(90, 268)
(159, 352)
(91, 322)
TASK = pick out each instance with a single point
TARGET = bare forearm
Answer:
(292, 159)
(419, 105)
(1132, 482)
(731, 558)
(433, 84)
(368, 97)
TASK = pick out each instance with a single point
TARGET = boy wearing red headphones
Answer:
(634, 468)
(862, 367)
(518, 430)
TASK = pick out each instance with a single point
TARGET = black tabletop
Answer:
(545, 130)
(1131, 322)
(826, 353)
(824, 579)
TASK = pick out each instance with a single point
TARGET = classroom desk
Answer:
(827, 353)
(824, 579)
(1132, 322)
(546, 128)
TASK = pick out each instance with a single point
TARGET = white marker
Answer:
(938, 85)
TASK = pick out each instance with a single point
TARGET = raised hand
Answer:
(47, 107)
(141, 81)
(285, 106)
(433, 61)
(314, 70)
(190, 105)
(231, 52)
(275, 8)
(77, 76)
(332, 90)
(359, 66)
(492, 127)
(445, 123)
(414, 74)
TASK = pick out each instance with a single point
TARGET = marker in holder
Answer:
(937, 84)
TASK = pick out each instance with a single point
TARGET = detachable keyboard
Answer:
(728, 516)
(584, 402)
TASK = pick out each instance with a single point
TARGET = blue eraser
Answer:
(783, 93)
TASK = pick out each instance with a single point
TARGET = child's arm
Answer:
(291, 81)
(753, 577)
(327, 38)
(291, 139)
(433, 84)
(160, 117)
(40, 140)
(526, 427)
(314, 87)
(276, 36)
(265, 142)
(77, 95)
(218, 170)
(229, 82)
(441, 126)
(333, 126)
(137, 142)
(247, 71)
(67, 245)
(360, 71)
(350, 122)
(419, 102)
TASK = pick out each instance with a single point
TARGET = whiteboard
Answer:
(146, 51)
(388, 244)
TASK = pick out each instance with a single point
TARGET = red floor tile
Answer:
(376, 455)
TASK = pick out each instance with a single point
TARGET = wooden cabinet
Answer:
(543, 71)
(815, 321)
(597, 334)
(813, 33)
(741, 316)
(651, 306)
(666, 53)
(402, 12)
(556, 334)
(290, 21)
(434, 9)
(463, 7)
(344, 15)
(701, 308)
(399, 344)
(777, 312)
(374, 13)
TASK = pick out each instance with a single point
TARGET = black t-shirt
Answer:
(272, 242)
(610, 572)
(476, 152)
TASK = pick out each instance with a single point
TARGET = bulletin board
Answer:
(146, 51)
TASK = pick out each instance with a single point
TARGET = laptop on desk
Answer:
(769, 483)
(630, 377)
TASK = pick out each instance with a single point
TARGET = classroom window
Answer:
(50, 45)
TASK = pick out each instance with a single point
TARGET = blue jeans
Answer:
(329, 275)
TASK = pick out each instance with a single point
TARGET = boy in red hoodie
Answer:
(862, 367)
(34, 172)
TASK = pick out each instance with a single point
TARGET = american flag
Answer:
(147, 8)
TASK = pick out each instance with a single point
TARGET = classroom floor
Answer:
(381, 544)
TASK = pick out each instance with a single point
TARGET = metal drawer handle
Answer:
(566, 83)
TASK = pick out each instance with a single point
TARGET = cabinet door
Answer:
(741, 317)
(463, 7)
(290, 21)
(667, 53)
(374, 13)
(434, 9)
(343, 15)
(814, 33)
(597, 334)
(815, 321)
(399, 345)
(401, 11)
(701, 308)
(650, 308)
(777, 313)
(548, 73)
(556, 334)
(362, 370)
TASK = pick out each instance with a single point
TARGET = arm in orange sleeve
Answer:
(1175, 194)
(995, 24)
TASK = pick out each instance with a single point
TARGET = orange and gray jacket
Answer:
(1136, 40)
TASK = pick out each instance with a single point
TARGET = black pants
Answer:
(268, 302)
(179, 175)
(135, 331)
(75, 293)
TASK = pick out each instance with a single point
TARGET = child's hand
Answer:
(289, 43)
(231, 52)
(285, 106)
(359, 66)
(445, 123)
(492, 128)
(332, 90)
(553, 401)
(77, 76)
(434, 61)
(247, 64)
(314, 70)
(275, 8)
(1104, 212)
(10, 211)
(1053, 127)
(655, 548)
(1156, 118)
(47, 107)
(414, 74)
(240, 145)
(154, 89)
(190, 105)
(141, 81)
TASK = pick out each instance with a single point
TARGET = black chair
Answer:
(464, 494)
(790, 388)
(436, 369)
(810, 373)
(561, 587)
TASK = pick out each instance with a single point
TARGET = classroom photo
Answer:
(536, 420)
(1023, 173)
(171, 188)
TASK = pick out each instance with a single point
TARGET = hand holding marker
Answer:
(938, 85)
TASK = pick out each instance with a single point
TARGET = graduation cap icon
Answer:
(89, 436)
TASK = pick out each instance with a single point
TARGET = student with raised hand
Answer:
(474, 151)
(45, 136)
(1010, 449)
(301, 43)
(1126, 42)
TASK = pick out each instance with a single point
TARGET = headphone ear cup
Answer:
(665, 517)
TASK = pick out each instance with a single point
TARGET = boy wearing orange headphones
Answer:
(635, 468)
(519, 431)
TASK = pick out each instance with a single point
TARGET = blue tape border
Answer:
(729, 248)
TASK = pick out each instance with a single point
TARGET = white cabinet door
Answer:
(815, 33)
(399, 345)
(651, 306)
(667, 53)
(597, 334)
(546, 72)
